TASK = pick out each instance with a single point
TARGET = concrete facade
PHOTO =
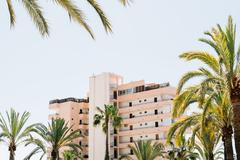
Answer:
(145, 109)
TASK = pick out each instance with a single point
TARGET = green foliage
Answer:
(14, 130)
(35, 11)
(145, 150)
(55, 136)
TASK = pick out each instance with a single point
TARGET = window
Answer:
(145, 112)
(115, 94)
(131, 127)
(131, 152)
(131, 139)
(130, 115)
(80, 112)
(115, 141)
(80, 143)
(145, 124)
(161, 112)
(156, 124)
(80, 122)
(72, 119)
(155, 99)
(157, 136)
(145, 100)
(156, 111)
(141, 124)
(115, 131)
(130, 104)
(140, 101)
(161, 120)
(115, 153)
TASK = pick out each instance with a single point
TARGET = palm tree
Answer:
(203, 136)
(57, 135)
(223, 69)
(214, 105)
(14, 130)
(106, 117)
(35, 12)
(145, 150)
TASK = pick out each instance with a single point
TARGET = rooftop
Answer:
(70, 99)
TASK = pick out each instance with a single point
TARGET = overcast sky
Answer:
(148, 37)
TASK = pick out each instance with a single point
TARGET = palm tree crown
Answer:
(145, 150)
(14, 130)
(57, 135)
(108, 116)
(36, 13)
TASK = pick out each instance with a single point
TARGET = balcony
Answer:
(122, 145)
(146, 118)
(146, 130)
(144, 104)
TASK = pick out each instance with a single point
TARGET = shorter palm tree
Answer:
(145, 150)
(69, 155)
(14, 130)
(57, 135)
(183, 152)
(106, 117)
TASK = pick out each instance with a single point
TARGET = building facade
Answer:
(145, 109)
(75, 112)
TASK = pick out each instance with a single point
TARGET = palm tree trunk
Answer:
(107, 148)
(11, 156)
(236, 123)
(53, 155)
(227, 142)
(211, 156)
(12, 149)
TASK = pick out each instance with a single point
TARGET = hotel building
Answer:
(145, 109)
(75, 112)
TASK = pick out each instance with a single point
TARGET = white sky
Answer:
(148, 37)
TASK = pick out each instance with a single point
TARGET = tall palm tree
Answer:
(35, 12)
(223, 69)
(206, 135)
(108, 116)
(145, 150)
(57, 135)
(214, 105)
(14, 130)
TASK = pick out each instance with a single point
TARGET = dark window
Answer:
(130, 104)
(115, 153)
(145, 100)
(157, 137)
(131, 152)
(80, 122)
(85, 156)
(131, 139)
(155, 99)
(115, 141)
(156, 124)
(156, 111)
(72, 119)
(140, 101)
(130, 115)
(115, 131)
(161, 112)
(115, 94)
(161, 120)
(131, 127)
(80, 143)
(80, 112)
